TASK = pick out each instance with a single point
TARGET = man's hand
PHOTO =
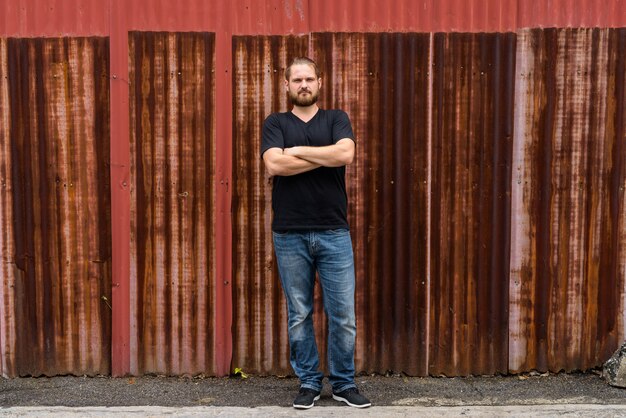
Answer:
(336, 155)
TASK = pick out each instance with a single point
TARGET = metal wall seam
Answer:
(618, 180)
(7, 296)
(519, 318)
(120, 190)
(223, 188)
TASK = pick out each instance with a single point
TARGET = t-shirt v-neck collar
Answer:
(308, 121)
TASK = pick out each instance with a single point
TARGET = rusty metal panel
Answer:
(364, 73)
(260, 342)
(381, 80)
(567, 270)
(55, 206)
(172, 202)
(471, 144)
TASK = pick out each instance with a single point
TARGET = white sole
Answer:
(340, 399)
(317, 398)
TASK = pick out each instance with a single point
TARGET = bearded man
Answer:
(306, 151)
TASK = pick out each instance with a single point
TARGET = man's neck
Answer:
(305, 113)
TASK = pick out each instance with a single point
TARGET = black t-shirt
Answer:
(316, 199)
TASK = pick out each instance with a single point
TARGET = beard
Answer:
(303, 101)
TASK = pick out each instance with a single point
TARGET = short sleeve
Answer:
(342, 128)
(272, 135)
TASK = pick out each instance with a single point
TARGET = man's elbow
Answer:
(273, 169)
(347, 151)
(348, 158)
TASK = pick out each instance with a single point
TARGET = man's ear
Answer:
(286, 85)
(319, 80)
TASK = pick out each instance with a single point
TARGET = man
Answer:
(306, 151)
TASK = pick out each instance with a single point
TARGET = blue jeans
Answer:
(299, 255)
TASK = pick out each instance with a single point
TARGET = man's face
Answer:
(303, 87)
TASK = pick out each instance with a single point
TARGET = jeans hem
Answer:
(308, 386)
(344, 387)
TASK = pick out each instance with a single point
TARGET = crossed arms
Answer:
(296, 160)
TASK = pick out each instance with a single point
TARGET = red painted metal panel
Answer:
(571, 13)
(56, 269)
(54, 18)
(223, 192)
(173, 221)
(120, 191)
(568, 285)
(414, 16)
(29, 18)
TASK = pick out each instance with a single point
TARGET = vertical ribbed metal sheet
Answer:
(568, 241)
(260, 342)
(55, 202)
(381, 80)
(172, 206)
(472, 132)
(389, 183)
(431, 198)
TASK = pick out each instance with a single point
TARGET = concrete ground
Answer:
(580, 394)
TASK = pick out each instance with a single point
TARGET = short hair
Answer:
(302, 60)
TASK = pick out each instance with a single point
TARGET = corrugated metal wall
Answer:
(431, 196)
(487, 197)
(55, 199)
(172, 220)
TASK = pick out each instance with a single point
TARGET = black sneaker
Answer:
(306, 398)
(352, 397)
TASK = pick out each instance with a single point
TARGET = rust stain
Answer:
(56, 207)
(367, 76)
(172, 207)
(260, 342)
(379, 79)
(471, 151)
(569, 289)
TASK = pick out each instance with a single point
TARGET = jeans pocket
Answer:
(338, 231)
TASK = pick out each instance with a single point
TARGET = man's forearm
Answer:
(336, 155)
(289, 165)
